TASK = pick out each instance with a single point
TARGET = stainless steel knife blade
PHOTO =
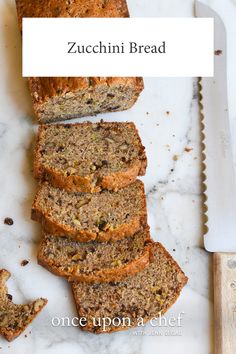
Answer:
(219, 167)
(220, 189)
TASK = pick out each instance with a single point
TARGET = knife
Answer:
(220, 188)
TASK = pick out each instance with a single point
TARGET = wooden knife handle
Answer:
(224, 265)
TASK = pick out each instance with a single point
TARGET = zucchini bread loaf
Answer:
(88, 157)
(15, 318)
(94, 261)
(62, 98)
(146, 295)
(99, 216)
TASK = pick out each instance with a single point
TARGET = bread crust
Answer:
(182, 281)
(102, 275)
(76, 183)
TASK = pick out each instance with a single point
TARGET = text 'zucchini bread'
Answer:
(15, 318)
(60, 98)
(88, 157)
(93, 261)
(144, 296)
(99, 216)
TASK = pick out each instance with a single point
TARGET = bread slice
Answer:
(15, 318)
(61, 98)
(93, 261)
(88, 157)
(91, 216)
(145, 295)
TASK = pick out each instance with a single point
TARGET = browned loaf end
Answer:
(15, 318)
(146, 295)
(61, 98)
(102, 216)
(94, 261)
(71, 8)
(89, 157)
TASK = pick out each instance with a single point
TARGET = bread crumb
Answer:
(9, 296)
(175, 157)
(187, 149)
(8, 221)
(24, 262)
(218, 52)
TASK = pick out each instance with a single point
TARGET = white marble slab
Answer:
(173, 192)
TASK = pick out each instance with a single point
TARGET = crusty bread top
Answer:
(71, 8)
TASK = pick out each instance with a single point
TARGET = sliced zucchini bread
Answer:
(145, 295)
(99, 216)
(94, 261)
(89, 157)
(15, 318)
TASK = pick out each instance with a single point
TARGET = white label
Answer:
(118, 47)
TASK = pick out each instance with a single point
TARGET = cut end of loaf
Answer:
(69, 98)
(97, 98)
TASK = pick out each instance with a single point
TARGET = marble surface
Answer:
(167, 117)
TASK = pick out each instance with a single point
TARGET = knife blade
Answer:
(220, 188)
(219, 166)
